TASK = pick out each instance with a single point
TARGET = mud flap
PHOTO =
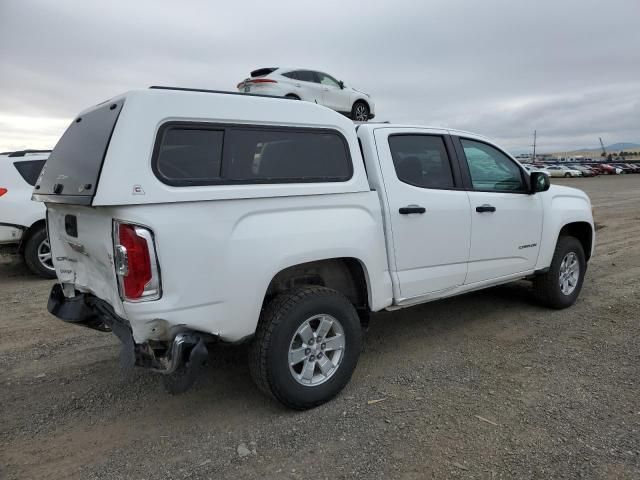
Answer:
(183, 378)
(128, 349)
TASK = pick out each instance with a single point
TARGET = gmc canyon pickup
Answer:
(183, 218)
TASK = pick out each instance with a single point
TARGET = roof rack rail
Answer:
(22, 153)
(202, 90)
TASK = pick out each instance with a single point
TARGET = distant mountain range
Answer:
(620, 146)
(616, 147)
(613, 148)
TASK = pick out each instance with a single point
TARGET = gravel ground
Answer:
(486, 385)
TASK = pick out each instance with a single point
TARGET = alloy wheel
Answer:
(362, 115)
(569, 273)
(316, 350)
(44, 254)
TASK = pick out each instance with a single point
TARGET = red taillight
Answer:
(262, 80)
(3, 191)
(135, 261)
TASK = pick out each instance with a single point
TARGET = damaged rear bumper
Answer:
(84, 309)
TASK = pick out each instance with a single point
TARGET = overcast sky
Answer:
(568, 68)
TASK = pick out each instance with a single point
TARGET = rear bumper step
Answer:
(187, 349)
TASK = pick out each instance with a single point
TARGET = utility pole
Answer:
(604, 152)
(535, 134)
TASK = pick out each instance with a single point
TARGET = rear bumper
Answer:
(87, 310)
(10, 233)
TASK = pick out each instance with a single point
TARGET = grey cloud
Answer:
(570, 69)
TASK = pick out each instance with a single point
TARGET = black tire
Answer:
(31, 254)
(360, 111)
(292, 96)
(547, 286)
(279, 322)
(567, 175)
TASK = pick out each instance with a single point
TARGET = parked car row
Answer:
(568, 170)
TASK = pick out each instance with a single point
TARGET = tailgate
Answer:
(82, 247)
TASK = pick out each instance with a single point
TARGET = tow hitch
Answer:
(179, 362)
(186, 358)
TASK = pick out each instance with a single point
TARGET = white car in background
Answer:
(311, 86)
(531, 168)
(22, 221)
(562, 171)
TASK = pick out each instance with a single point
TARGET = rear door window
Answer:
(421, 160)
(307, 76)
(29, 170)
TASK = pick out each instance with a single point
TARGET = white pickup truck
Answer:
(182, 218)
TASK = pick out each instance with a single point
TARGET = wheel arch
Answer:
(582, 231)
(347, 275)
(37, 225)
(361, 100)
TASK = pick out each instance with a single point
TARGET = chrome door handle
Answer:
(485, 208)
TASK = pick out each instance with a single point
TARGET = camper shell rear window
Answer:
(29, 170)
(188, 153)
(71, 172)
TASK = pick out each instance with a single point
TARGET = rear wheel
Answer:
(292, 96)
(567, 175)
(306, 347)
(560, 286)
(37, 254)
(360, 112)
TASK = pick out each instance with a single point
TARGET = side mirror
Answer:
(539, 182)
(341, 83)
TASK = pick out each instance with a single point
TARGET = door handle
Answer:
(485, 208)
(325, 89)
(298, 85)
(411, 209)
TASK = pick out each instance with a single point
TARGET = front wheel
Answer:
(567, 175)
(360, 112)
(37, 254)
(560, 286)
(306, 346)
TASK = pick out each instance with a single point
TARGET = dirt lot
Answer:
(488, 385)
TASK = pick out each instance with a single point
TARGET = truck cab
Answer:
(179, 219)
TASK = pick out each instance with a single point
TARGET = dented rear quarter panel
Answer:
(217, 258)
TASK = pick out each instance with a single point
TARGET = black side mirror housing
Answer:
(341, 83)
(539, 182)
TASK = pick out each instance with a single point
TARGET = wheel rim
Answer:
(44, 254)
(316, 350)
(569, 273)
(361, 112)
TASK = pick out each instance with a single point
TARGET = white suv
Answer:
(22, 222)
(312, 86)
